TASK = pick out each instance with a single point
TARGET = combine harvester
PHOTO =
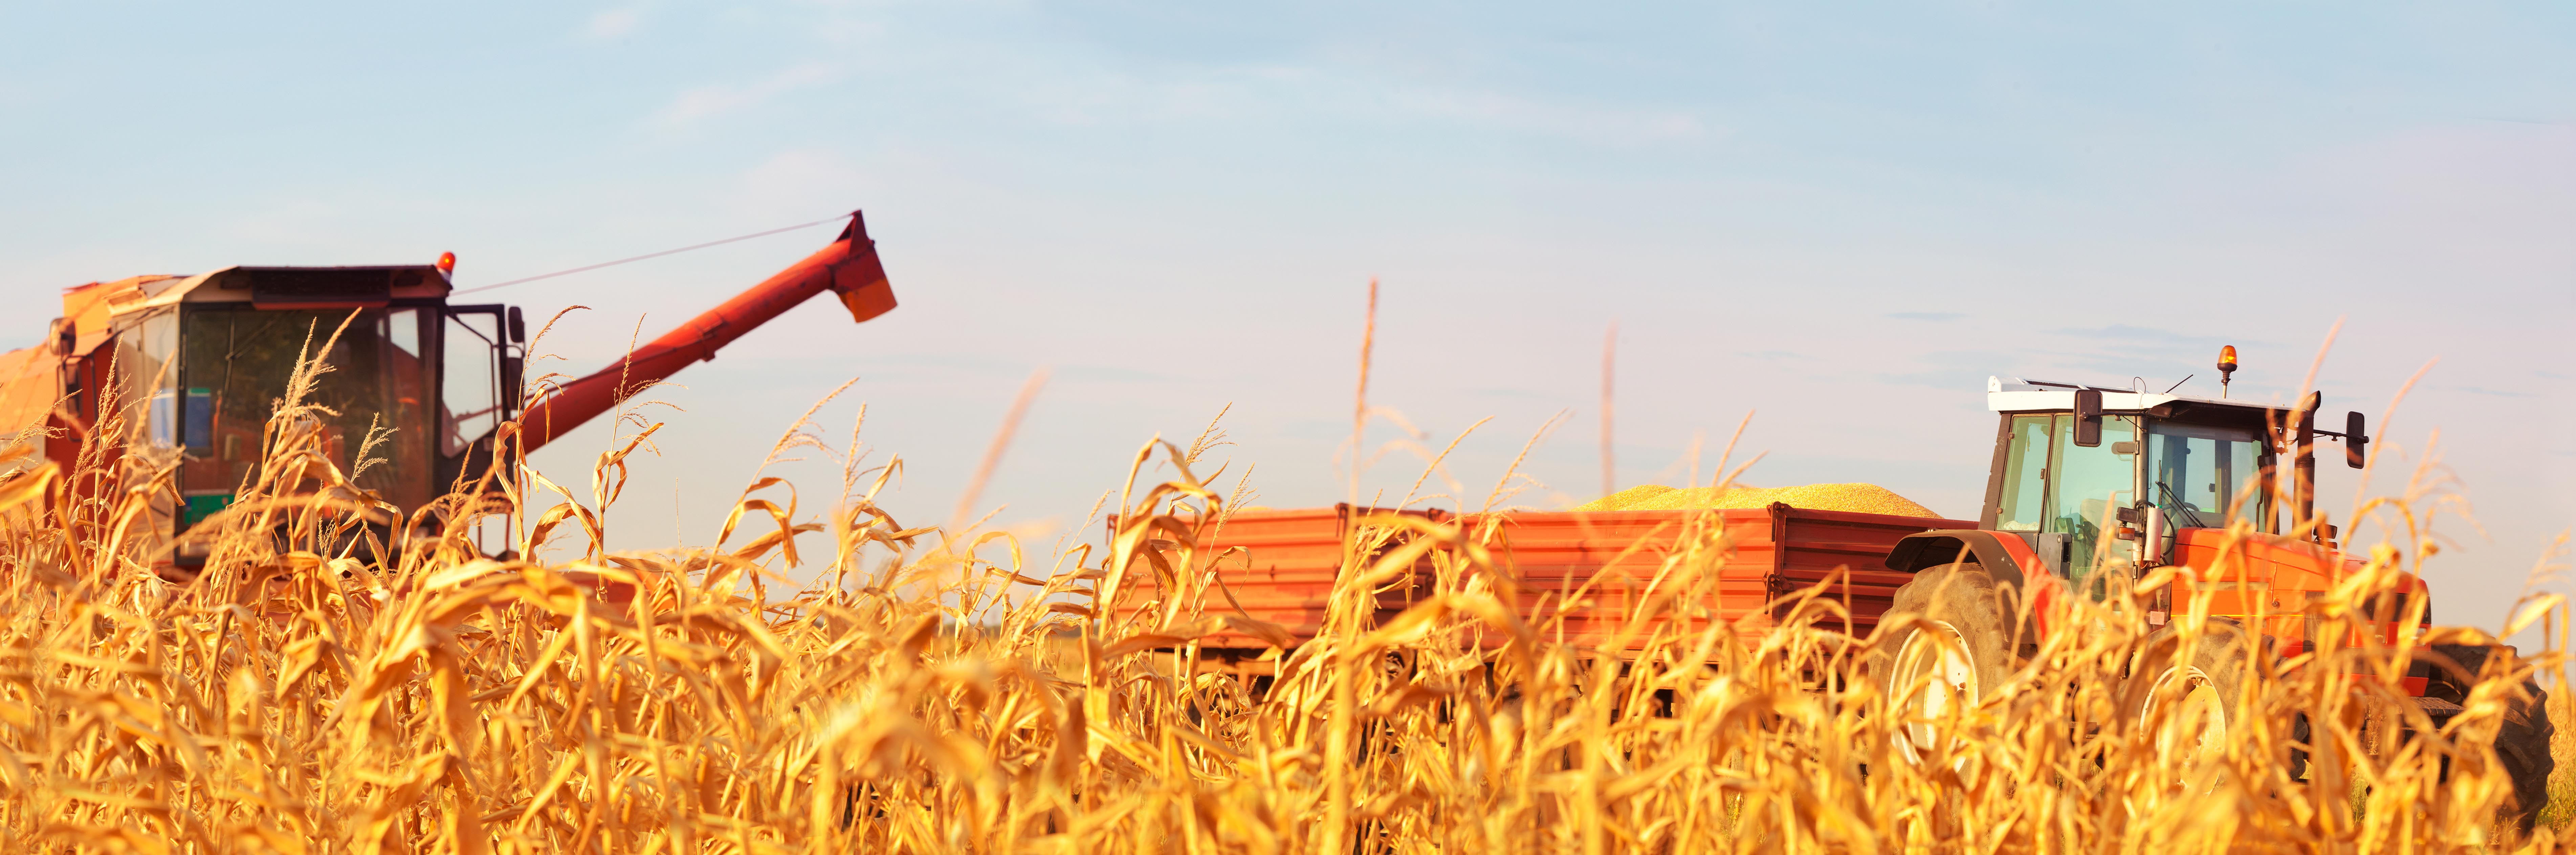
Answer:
(2088, 487)
(194, 364)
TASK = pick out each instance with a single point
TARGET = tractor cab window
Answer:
(2205, 476)
(2087, 486)
(2051, 486)
(2023, 506)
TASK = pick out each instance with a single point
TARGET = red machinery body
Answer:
(193, 366)
(848, 268)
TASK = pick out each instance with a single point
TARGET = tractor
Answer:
(2093, 488)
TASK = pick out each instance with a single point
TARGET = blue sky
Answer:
(1841, 218)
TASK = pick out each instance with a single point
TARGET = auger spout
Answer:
(849, 268)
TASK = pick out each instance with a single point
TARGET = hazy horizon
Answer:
(1842, 222)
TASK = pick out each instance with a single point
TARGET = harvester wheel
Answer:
(2188, 697)
(2522, 741)
(1947, 662)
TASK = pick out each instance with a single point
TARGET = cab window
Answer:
(235, 364)
(2023, 505)
(470, 392)
(2088, 484)
(2204, 476)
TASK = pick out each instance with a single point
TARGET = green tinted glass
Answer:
(236, 361)
(2090, 485)
(2025, 486)
(2198, 474)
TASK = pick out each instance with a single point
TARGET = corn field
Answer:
(344, 678)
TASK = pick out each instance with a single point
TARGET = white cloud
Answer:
(613, 23)
(700, 102)
(1585, 122)
(1255, 92)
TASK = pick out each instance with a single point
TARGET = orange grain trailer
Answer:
(1273, 566)
(1577, 575)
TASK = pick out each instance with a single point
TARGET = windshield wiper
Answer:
(2175, 503)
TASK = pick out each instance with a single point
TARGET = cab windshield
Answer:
(2205, 476)
(234, 367)
(2053, 486)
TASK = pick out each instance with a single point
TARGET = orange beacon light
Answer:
(2226, 366)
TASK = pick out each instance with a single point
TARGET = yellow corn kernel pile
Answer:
(1858, 498)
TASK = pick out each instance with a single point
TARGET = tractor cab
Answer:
(2093, 478)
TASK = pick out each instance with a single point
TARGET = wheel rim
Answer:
(2195, 729)
(1952, 685)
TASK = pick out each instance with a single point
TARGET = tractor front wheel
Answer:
(1948, 661)
(2185, 691)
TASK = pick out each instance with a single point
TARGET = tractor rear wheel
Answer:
(2186, 691)
(2522, 740)
(1960, 651)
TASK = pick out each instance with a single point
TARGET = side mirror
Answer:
(518, 328)
(2088, 418)
(2354, 440)
(513, 381)
(2151, 551)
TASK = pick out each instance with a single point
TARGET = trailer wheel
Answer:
(2187, 698)
(2522, 741)
(1946, 662)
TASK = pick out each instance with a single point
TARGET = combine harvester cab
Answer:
(192, 366)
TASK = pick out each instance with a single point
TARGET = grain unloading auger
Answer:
(848, 268)
(192, 366)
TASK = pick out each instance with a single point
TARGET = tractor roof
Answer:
(2017, 395)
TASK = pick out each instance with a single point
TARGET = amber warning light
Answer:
(2226, 366)
(447, 268)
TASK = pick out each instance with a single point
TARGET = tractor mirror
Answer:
(2354, 440)
(2088, 417)
(2151, 550)
(518, 328)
